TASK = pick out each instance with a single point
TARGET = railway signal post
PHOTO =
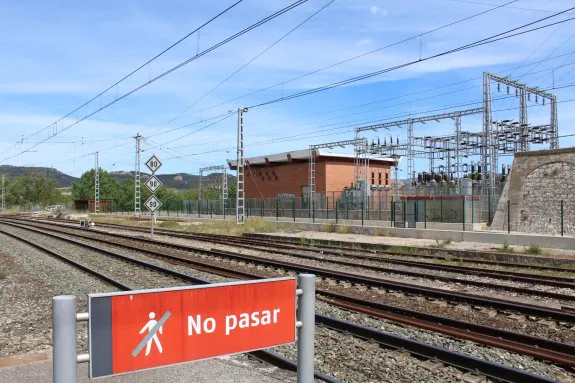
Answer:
(153, 184)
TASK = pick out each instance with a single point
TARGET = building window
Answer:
(379, 177)
(373, 176)
(387, 176)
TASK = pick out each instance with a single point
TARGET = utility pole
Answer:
(137, 187)
(97, 187)
(240, 194)
(201, 190)
(224, 188)
(3, 194)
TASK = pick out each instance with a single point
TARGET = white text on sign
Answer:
(198, 325)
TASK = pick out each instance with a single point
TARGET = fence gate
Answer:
(404, 214)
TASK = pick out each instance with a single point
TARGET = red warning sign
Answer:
(152, 328)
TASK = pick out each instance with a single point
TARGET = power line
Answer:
(85, 104)
(359, 56)
(351, 126)
(246, 64)
(409, 101)
(198, 55)
(477, 43)
(512, 7)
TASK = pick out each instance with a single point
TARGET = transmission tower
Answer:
(223, 186)
(97, 186)
(240, 192)
(137, 183)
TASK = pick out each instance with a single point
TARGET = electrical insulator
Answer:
(536, 99)
(543, 100)
(516, 92)
(528, 96)
(507, 89)
(498, 87)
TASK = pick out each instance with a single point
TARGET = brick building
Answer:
(288, 173)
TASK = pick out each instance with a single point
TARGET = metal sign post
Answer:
(161, 327)
(153, 184)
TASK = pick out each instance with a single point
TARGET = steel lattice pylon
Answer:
(361, 161)
(224, 183)
(97, 186)
(137, 179)
(240, 191)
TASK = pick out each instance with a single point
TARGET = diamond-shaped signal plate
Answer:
(154, 163)
(153, 184)
(152, 204)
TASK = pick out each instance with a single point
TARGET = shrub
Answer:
(533, 249)
(506, 248)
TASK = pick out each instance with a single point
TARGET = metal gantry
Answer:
(447, 154)
(361, 161)
(240, 191)
(137, 179)
(223, 186)
(97, 186)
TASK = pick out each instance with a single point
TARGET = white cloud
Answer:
(373, 9)
(363, 42)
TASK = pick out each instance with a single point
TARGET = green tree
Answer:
(84, 187)
(31, 190)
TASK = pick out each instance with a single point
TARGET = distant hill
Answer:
(62, 179)
(177, 180)
(172, 181)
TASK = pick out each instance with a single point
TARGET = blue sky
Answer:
(57, 55)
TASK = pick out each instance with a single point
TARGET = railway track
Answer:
(282, 245)
(354, 250)
(360, 279)
(555, 352)
(568, 283)
(270, 357)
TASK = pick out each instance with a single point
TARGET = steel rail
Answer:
(292, 243)
(289, 244)
(266, 356)
(372, 281)
(532, 346)
(562, 282)
(410, 251)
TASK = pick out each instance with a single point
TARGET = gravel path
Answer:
(340, 355)
(29, 279)
(467, 347)
(354, 360)
(125, 271)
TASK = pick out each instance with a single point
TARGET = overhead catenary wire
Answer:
(174, 68)
(130, 139)
(488, 40)
(138, 68)
(415, 37)
(261, 53)
(349, 128)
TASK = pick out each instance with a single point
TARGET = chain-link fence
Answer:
(453, 212)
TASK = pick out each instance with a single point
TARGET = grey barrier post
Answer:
(306, 328)
(64, 339)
